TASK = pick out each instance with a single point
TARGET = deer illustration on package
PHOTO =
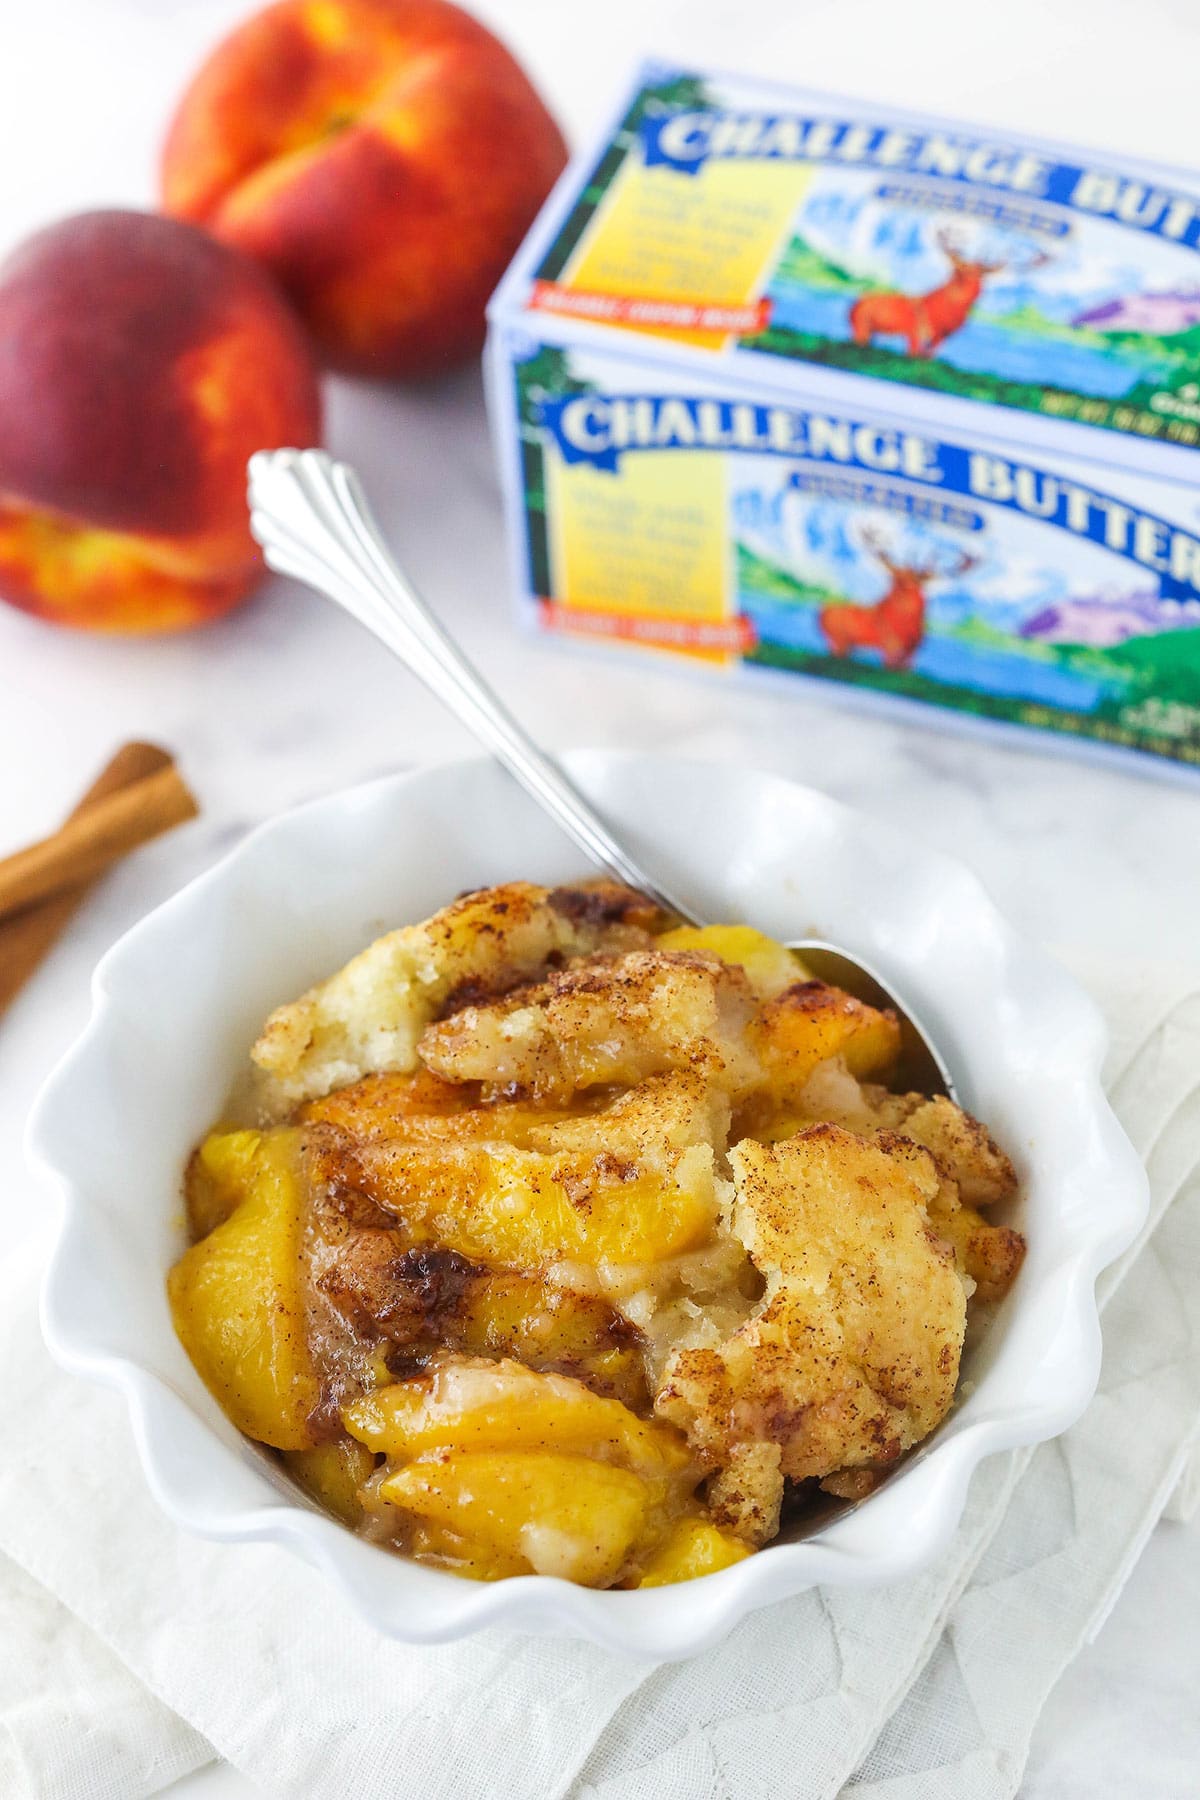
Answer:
(894, 625)
(926, 320)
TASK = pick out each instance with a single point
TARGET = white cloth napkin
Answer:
(133, 1653)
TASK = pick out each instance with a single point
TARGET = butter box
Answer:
(788, 385)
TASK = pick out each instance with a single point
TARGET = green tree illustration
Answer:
(544, 375)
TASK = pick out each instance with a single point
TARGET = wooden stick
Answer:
(94, 837)
(26, 937)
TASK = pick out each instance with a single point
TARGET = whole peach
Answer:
(383, 158)
(141, 363)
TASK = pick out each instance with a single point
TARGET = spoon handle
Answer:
(312, 519)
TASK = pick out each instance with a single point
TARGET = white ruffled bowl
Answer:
(179, 1000)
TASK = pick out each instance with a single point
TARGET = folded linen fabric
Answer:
(138, 1652)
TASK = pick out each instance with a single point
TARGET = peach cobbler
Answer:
(566, 1240)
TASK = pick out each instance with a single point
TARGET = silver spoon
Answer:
(312, 519)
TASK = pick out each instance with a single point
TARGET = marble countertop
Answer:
(287, 698)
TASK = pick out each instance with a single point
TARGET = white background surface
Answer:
(286, 699)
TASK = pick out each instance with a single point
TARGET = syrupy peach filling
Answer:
(552, 1237)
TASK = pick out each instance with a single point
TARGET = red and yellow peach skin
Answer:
(383, 158)
(141, 363)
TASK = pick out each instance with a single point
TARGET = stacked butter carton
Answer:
(789, 384)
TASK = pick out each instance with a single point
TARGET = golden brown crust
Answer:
(975, 1171)
(367, 1018)
(613, 1020)
(746, 1493)
(990, 1255)
(853, 1355)
(963, 1147)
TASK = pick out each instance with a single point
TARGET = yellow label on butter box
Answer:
(653, 545)
(702, 245)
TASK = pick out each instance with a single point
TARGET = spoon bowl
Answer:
(920, 1068)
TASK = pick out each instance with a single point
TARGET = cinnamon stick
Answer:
(94, 837)
(26, 937)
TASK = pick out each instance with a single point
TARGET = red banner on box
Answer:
(650, 313)
(733, 636)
